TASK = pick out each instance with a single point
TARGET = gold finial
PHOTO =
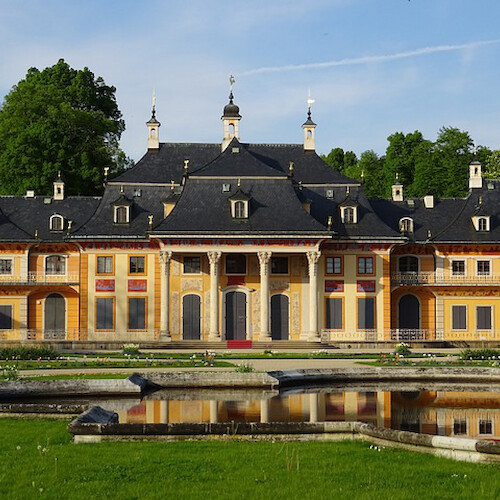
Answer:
(397, 176)
(150, 220)
(36, 234)
(172, 185)
(347, 191)
(480, 200)
(121, 189)
(330, 221)
(106, 172)
(70, 223)
(59, 175)
(362, 174)
(186, 165)
(429, 234)
(239, 182)
(290, 167)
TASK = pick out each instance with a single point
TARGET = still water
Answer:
(458, 412)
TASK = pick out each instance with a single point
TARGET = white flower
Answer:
(18, 447)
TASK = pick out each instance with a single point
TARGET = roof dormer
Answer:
(240, 204)
(406, 225)
(122, 209)
(349, 210)
(56, 223)
(481, 223)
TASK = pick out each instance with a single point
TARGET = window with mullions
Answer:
(334, 265)
(5, 266)
(483, 267)
(333, 314)
(458, 268)
(137, 264)
(279, 265)
(55, 264)
(459, 426)
(485, 426)
(365, 265)
(408, 264)
(236, 263)
(192, 265)
(105, 265)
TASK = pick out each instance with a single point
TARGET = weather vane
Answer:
(310, 101)
(231, 82)
(154, 99)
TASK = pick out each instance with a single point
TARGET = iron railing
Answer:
(39, 278)
(432, 278)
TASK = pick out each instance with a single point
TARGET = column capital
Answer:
(264, 257)
(313, 256)
(214, 257)
(165, 256)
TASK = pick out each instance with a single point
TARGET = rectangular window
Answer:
(334, 265)
(483, 267)
(365, 265)
(5, 266)
(104, 313)
(458, 268)
(137, 265)
(137, 313)
(483, 317)
(105, 265)
(485, 426)
(192, 265)
(236, 263)
(55, 264)
(5, 317)
(279, 265)
(459, 317)
(459, 426)
(366, 313)
(334, 313)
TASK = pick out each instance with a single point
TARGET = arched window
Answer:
(231, 129)
(56, 223)
(408, 264)
(121, 215)
(348, 215)
(55, 264)
(482, 224)
(239, 210)
(406, 225)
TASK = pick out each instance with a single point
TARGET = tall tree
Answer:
(370, 169)
(340, 160)
(492, 165)
(59, 120)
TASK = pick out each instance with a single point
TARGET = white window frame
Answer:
(458, 260)
(53, 218)
(343, 211)
(492, 420)
(65, 257)
(244, 215)
(477, 267)
(127, 213)
(11, 266)
(406, 221)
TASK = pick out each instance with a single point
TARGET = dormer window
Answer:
(482, 223)
(240, 210)
(122, 215)
(349, 215)
(56, 222)
(239, 205)
(406, 225)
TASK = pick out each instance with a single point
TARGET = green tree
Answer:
(428, 178)
(492, 165)
(59, 120)
(370, 169)
(350, 160)
(339, 160)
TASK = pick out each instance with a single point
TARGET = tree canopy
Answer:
(439, 167)
(59, 120)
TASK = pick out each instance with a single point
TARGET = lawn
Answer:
(38, 460)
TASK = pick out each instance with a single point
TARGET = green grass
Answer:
(220, 470)
(79, 376)
(434, 364)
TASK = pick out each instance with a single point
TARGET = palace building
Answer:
(236, 241)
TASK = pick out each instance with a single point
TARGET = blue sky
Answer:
(373, 66)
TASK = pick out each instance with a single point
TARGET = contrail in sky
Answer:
(370, 59)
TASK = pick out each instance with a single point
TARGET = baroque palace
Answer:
(248, 242)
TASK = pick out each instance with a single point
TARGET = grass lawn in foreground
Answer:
(38, 460)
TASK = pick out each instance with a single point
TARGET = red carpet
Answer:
(239, 344)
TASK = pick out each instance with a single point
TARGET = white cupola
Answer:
(308, 126)
(58, 188)
(153, 128)
(475, 176)
(230, 118)
(397, 190)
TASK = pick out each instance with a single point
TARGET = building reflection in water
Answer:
(467, 414)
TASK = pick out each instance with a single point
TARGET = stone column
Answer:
(165, 294)
(313, 258)
(264, 410)
(264, 258)
(214, 258)
(313, 407)
(213, 411)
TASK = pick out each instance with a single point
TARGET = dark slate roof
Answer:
(369, 224)
(274, 208)
(27, 215)
(101, 224)
(167, 163)
(236, 161)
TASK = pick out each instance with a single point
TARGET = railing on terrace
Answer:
(36, 278)
(431, 278)
(80, 335)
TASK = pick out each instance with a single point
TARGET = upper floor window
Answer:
(408, 264)
(137, 264)
(192, 265)
(348, 215)
(365, 265)
(406, 225)
(55, 264)
(482, 224)
(334, 265)
(279, 265)
(105, 264)
(483, 268)
(122, 215)
(5, 266)
(236, 263)
(240, 210)
(458, 268)
(56, 222)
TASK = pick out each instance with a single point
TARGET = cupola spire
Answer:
(153, 127)
(308, 126)
(230, 118)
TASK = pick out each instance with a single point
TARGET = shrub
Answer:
(28, 352)
(402, 348)
(479, 354)
(245, 368)
(130, 349)
(9, 372)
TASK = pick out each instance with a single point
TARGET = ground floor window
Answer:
(366, 313)
(483, 317)
(192, 265)
(104, 313)
(334, 313)
(485, 426)
(459, 426)
(137, 313)
(459, 317)
(5, 317)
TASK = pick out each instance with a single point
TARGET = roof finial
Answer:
(172, 185)
(121, 189)
(397, 176)
(330, 222)
(480, 200)
(186, 165)
(239, 182)
(290, 168)
(347, 191)
(59, 175)
(153, 113)
(231, 83)
(310, 101)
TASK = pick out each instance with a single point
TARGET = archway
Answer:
(191, 317)
(55, 315)
(279, 317)
(236, 316)
(409, 313)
